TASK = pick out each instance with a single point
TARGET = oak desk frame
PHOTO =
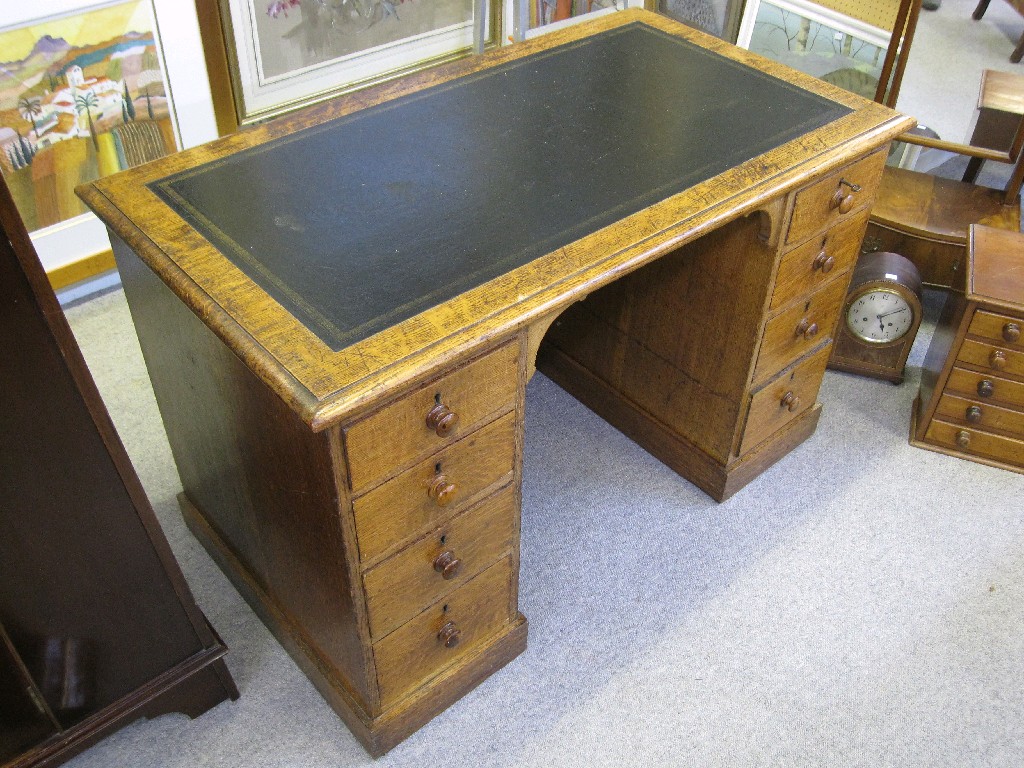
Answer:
(310, 473)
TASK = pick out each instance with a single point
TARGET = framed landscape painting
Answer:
(82, 95)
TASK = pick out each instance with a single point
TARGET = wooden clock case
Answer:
(883, 360)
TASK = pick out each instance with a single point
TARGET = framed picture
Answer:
(282, 54)
(84, 92)
(842, 42)
(717, 17)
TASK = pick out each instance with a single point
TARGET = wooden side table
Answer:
(971, 402)
(997, 117)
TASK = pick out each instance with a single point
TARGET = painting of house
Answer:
(81, 96)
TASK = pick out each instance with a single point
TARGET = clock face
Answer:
(879, 316)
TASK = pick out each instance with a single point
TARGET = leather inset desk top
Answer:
(364, 221)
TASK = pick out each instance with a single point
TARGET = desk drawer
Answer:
(424, 646)
(402, 585)
(783, 399)
(435, 489)
(980, 415)
(973, 442)
(1004, 330)
(799, 329)
(830, 200)
(811, 265)
(986, 386)
(398, 433)
(999, 360)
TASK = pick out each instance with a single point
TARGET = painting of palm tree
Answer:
(80, 93)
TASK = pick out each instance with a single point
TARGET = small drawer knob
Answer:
(997, 359)
(1011, 332)
(824, 262)
(449, 635)
(973, 414)
(790, 401)
(442, 420)
(986, 388)
(447, 564)
(841, 201)
(441, 490)
(963, 439)
(807, 329)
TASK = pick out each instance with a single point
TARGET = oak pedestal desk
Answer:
(340, 309)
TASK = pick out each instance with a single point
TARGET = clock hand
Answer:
(895, 311)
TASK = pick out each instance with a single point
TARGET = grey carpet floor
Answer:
(859, 604)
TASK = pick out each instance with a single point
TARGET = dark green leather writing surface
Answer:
(364, 221)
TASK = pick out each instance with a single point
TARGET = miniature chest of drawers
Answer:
(971, 402)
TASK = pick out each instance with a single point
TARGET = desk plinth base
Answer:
(720, 481)
(381, 732)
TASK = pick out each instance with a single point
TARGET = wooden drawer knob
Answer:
(447, 564)
(790, 401)
(449, 635)
(986, 388)
(824, 262)
(997, 359)
(842, 202)
(442, 419)
(807, 329)
(963, 439)
(973, 414)
(1011, 332)
(441, 490)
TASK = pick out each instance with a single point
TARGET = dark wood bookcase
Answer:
(97, 624)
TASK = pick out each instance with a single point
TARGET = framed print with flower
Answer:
(283, 54)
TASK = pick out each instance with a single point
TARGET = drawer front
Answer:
(999, 360)
(834, 197)
(972, 442)
(424, 646)
(399, 433)
(987, 387)
(980, 415)
(783, 399)
(811, 265)
(436, 488)
(401, 586)
(1004, 330)
(799, 329)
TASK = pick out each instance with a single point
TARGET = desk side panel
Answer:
(261, 480)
